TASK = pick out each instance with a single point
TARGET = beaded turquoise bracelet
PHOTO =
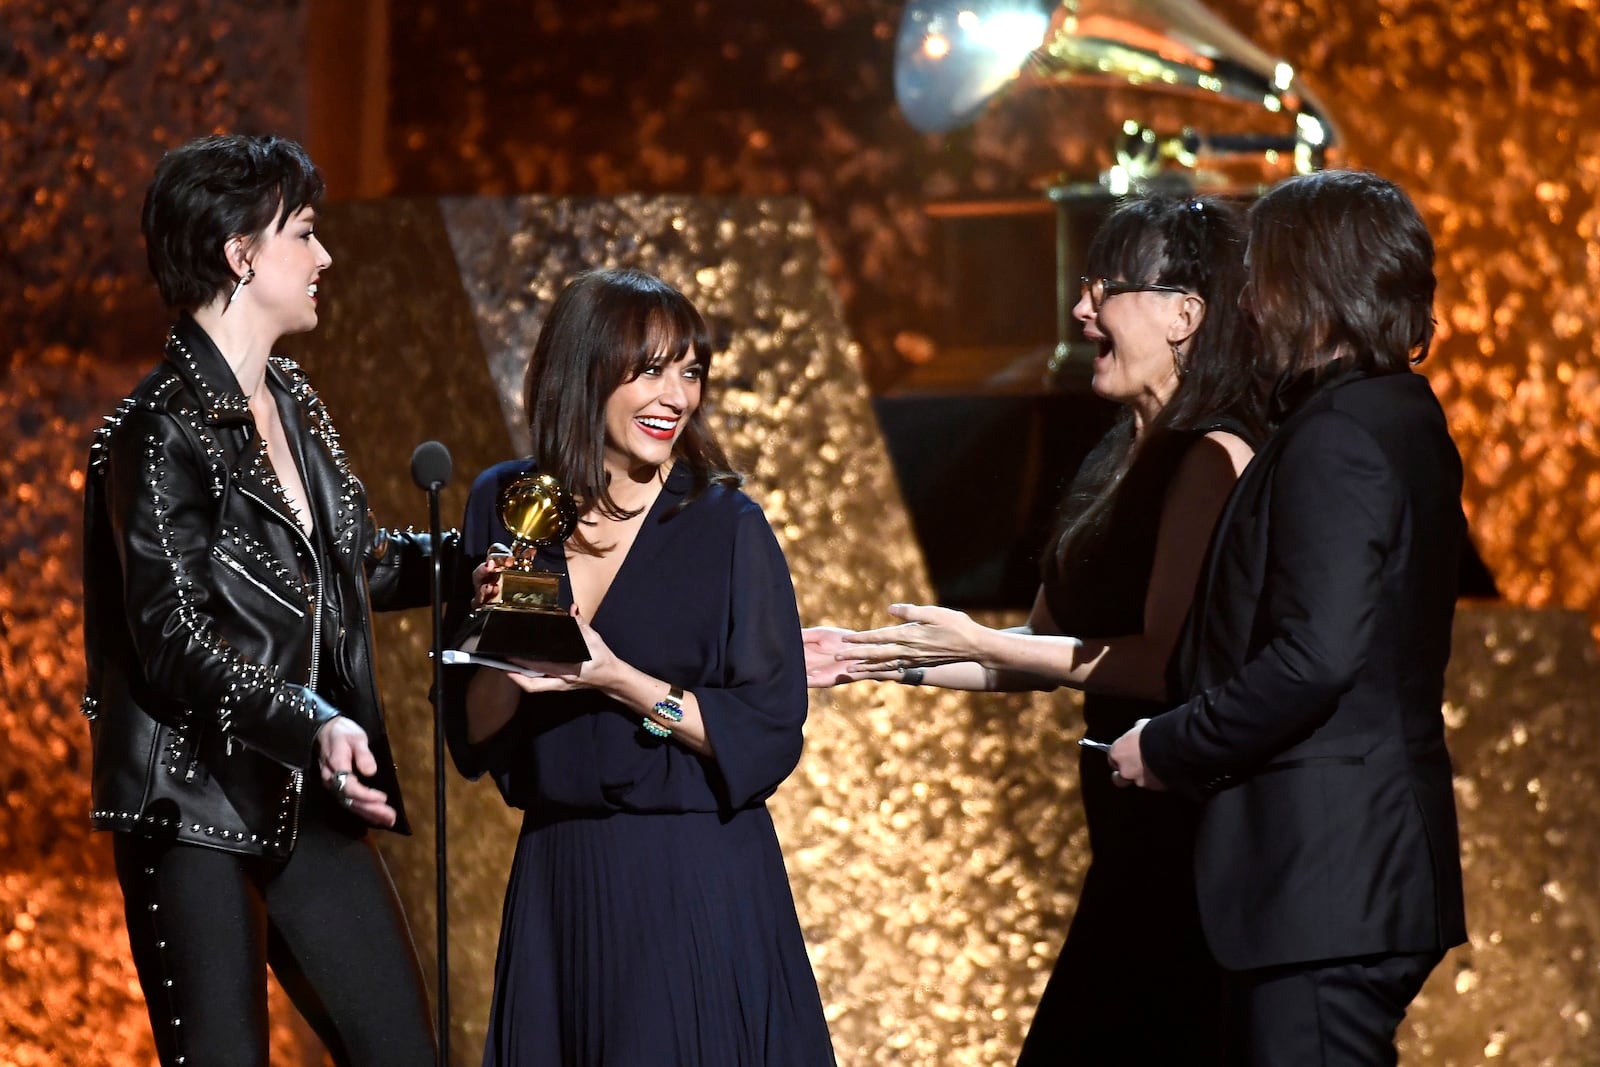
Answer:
(669, 707)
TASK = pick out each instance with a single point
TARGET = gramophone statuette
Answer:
(525, 619)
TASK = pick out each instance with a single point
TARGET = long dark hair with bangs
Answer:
(1341, 267)
(1197, 245)
(605, 329)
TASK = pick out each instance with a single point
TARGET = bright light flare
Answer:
(1009, 35)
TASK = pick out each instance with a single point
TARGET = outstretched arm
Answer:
(1039, 656)
(831, 659)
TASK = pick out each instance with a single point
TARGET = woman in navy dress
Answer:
(648, 919)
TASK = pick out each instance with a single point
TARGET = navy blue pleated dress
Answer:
(648, 921)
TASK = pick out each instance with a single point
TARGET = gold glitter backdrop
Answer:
(933, 840)
(94, 92)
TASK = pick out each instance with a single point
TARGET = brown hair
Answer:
(1341, 266)
(606, 328)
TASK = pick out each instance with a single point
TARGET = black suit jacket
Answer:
(1314, 659)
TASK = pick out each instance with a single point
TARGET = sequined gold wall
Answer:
(933, 840)
(94, 92)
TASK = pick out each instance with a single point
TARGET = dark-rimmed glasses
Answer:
(1099, 290)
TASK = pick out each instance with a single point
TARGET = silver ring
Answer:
(897, 665)
(1115, 773)
(339, 778)
(348, 802)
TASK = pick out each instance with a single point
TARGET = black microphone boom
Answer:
(430, 469)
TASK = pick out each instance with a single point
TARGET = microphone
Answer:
(430, 469)
(430, 466)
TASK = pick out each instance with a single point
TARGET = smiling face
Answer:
(646, 414)
(1134, 333)
(287, 263)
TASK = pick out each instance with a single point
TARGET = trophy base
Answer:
(507, 633)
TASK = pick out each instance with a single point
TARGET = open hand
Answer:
(827, 659)
(593, 673)
(929, 636)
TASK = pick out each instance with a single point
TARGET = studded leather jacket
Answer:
(219, 636)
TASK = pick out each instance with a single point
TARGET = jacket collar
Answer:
(197, 360)
(1294, 389)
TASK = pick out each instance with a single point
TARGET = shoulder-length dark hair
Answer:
(606, 328)
(1341, 267)
(1197, 244)
(209, 190)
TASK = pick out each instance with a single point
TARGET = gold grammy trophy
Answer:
(525, 620)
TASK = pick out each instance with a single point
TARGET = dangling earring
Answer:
(1177, 360)
(244, 280)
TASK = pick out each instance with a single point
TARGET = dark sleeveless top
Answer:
(1101, 592)
(1134, 984)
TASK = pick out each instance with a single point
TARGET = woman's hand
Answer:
(486, 576)
(929, 637)
(827, 658)
(1127, 761)
(343, 753)
(599, 671)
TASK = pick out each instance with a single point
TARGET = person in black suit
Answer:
(1327, 857)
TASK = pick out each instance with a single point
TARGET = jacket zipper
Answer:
(238, 568)
(316, 644)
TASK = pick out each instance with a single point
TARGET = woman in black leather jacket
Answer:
(240, 751)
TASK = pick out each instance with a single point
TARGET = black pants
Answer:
(205, 924)
(1339, 1013)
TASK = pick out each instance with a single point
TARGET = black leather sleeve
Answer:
(400, 567)
(162, 517)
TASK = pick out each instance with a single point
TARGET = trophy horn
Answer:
(953, 56)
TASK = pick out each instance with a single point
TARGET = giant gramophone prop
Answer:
(525, 620)
(953, 58)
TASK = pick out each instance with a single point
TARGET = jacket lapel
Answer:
(336, 495)
(1295, 398)
(225, 415)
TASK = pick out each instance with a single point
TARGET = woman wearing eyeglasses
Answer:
(1134, 983)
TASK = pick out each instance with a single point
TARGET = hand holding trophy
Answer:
(524, 619)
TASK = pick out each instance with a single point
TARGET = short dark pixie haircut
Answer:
(210, 190)
(1341, 266)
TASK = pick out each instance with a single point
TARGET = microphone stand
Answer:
(430, 469)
